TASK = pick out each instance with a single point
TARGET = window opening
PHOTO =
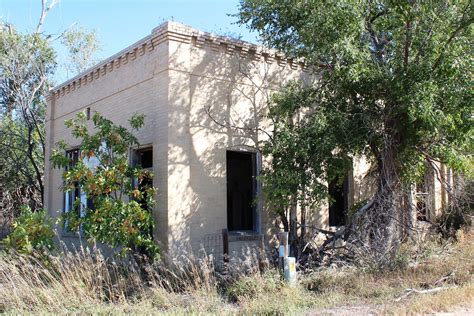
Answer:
(143, 158)
(74, 193)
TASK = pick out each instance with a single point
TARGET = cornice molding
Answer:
(174, 31)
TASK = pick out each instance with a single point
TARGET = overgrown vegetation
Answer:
(32, 233)
(394, 87)
(101, 171)
(85, 281)
(28, 64)
(459, 214)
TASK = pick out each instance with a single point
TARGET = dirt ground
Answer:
(464, 309)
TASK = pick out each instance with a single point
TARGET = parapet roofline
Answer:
(171, 30)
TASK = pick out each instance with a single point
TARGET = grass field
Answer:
(436, 277)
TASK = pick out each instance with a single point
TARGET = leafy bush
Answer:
(108, 219)
(32, 231)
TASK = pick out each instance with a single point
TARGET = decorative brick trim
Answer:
(174, 31)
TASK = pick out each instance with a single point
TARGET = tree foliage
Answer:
(395, 86)
(121, 199)
(81, 45)
(28, 63)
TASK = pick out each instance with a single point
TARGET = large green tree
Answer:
(395, 85)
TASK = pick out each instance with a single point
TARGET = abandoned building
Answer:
(195, 89)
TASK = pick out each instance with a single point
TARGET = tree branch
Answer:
(44, 12)
(454, 34)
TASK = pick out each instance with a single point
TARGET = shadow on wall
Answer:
(364, 182)
(218, 102)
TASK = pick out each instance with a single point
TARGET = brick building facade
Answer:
(195, 89)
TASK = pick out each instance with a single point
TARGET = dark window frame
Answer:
(88, 204)
(135, 160)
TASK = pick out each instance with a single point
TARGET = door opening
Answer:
(241, 191)
(338, 204)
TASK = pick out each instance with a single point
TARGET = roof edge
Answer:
(171, 30)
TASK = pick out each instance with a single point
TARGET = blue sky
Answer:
(120, 23)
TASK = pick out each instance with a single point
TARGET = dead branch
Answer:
(429, 291)
(338, 235)
(317, 229)
(44, 12)
(449, 276)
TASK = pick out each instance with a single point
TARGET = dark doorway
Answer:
(145, 158)
(241, 189)
(337, 203)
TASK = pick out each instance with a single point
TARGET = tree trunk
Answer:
(379, 231)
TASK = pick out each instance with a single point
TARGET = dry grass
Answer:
(436, 264)
(445, 301)
(86, 282)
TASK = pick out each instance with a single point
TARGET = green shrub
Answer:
(32, 231)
